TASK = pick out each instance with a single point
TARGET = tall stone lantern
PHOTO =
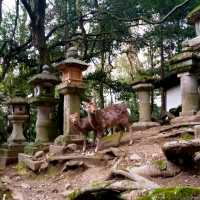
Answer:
(143, 90)
(194, 19)
(43, 98)
(71, 87)
(17, 107)
(187, 66)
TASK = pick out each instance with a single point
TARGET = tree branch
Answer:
(147, 20)
(29, 9)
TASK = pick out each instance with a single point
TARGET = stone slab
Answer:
(27, 160)
(56, 149)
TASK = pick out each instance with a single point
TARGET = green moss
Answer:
(178, 193)
(186, 137)
(72, 195)
(161, 164)
(144, 75)
(21, 169)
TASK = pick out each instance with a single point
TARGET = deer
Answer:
(112, 116)
(82, 125)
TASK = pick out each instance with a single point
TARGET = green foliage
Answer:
(179, 193)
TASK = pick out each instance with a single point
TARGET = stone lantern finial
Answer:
(45, 69)
(72, 52)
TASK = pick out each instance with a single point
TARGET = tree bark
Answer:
(1, 2)
(162, 73)
(36, 11)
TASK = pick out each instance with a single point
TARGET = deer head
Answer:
(74, 118)
(89, 107)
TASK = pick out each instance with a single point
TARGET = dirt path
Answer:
(53, 185)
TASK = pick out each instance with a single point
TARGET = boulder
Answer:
(71, 147)
(72, 165)
(38, 154)
(181, 152)
(158, 168)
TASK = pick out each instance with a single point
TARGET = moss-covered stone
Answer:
(178, 193)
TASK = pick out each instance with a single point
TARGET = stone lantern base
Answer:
(186, 119)
(9, 153)
(139, 126)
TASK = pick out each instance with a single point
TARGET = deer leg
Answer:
(94, 139)
(97, 145)
(84, 144)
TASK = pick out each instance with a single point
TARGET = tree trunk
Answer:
(36, 11)
(101, 96)
(162, 73)
(1, 1)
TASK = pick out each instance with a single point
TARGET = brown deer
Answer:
(109, 117)
(82, 125)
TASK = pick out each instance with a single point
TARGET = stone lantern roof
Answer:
(18, 99)
(43, 77)
(72, 60)
(194, 15)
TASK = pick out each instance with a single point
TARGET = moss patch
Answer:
(186, 137)
(179, 193)
(161, 164)
(21, 169)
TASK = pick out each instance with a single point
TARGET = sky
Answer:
(8, 4)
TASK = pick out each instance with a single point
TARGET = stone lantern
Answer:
(71, 87)
(16, 142)
(143, 89)
(43, 98)
(194, 19)
(187, 66)
(18, 115)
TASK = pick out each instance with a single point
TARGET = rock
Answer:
(159, 168)
(135, 158)
(16, 195)
(71, 165)
(44, 166)
(197, 158)
(67, 186)
(55, 190)
(18, 178)
(181, 152)
(39, 154)
(112, 152)
(6, 179)
(197, 131)
(25, 186)
(71, 147)
(28, 162)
